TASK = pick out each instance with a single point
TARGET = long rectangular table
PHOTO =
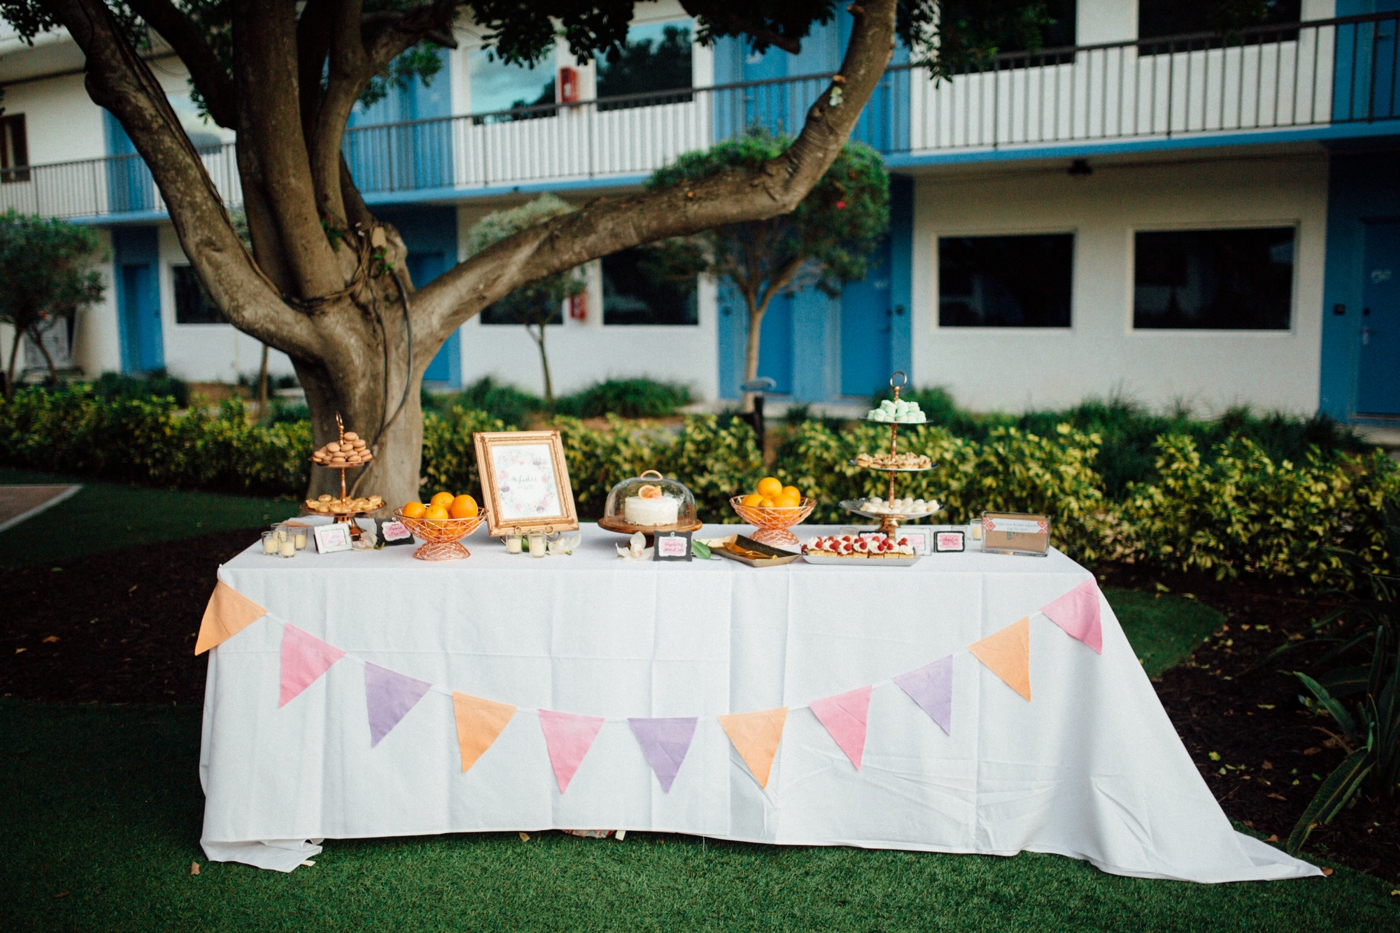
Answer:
(1090, 768)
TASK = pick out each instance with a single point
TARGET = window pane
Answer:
(497, 86)
(1214, 279)
(656, 58)
(636, 293)
(1005, 281)
(192, 303)
(1175, 18)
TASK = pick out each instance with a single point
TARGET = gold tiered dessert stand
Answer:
(891, 520)
(340, 508)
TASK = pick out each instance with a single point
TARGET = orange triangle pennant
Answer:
(228, 613)
(756, 737)
(479, 722)
(1008, 655)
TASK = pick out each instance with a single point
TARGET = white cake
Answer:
(662, 510)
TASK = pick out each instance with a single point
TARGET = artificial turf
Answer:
(107, 516)
(102, 814)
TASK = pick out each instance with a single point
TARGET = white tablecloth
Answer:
(1091, 768)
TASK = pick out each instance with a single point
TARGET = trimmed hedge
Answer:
(1234, 512)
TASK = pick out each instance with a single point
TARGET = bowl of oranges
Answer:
(773, 508)
(441, 524)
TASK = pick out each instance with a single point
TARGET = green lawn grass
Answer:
(108, 516)
(102, 818)
(1163, 629)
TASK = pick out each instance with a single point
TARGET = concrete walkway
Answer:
(18, 503)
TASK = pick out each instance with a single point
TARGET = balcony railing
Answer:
(1335, 72)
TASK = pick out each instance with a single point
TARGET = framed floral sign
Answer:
(525, 482)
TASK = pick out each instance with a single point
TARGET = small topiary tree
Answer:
(45, 268)
(824, 243)
(535, 304)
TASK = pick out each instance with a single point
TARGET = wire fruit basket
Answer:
(441, 537)
(773, 524)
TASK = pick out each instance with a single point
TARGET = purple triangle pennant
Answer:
(388, 697)
(665, 743)
(304, 659)
(931, 686)
(1077, 612)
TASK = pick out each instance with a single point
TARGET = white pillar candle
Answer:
(512, 544)
(976, 529)
(536, 545)
(289, 549)
(269, 543)
(300, 541)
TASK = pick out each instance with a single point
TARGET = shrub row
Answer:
(1229, 511)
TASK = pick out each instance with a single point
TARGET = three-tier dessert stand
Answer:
(891, 520)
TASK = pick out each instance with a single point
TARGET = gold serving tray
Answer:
(613, 523)
(779, 559)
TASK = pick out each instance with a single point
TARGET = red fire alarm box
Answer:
(568, 85)
(578, 307)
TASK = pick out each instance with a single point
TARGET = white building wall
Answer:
(97, 344)
(205, 352)
(1100, 354)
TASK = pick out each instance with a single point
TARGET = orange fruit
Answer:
(769, 487)
(787, 501)
(414, 510)
(753, 499)
(462, 507)
(767, 503)
(443, 499)
(435, 513)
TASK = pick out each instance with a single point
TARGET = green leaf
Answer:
(1339, 787)
(1339, 713)
(700, 549)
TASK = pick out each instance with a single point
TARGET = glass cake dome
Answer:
(650, 501)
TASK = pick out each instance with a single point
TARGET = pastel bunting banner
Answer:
(388, 697)
(568, 736)
(228, 613)
(304, 659)
(479, 723)
(931, 686)
(1077, 612)
(1008, 655)
(843, 717)
(665, 743)
(756, 737)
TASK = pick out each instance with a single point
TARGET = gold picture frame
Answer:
(524, 482)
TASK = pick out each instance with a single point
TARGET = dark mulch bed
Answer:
(1273, 751)
(120, 628)
(117, 627)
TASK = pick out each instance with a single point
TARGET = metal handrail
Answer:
(1279, 76)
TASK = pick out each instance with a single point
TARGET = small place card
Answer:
(945, 542)
(1016, 533)
(672, 545)
(394, 532)
(918, 537)
(331, 538)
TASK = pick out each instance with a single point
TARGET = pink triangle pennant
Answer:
(843, 716)
(304, 658)
(931, 686)
(568, 737)
(1077, 612)
(389, 696)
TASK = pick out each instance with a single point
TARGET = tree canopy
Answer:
(46, 268)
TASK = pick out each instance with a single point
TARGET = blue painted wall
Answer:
(430, 233)
(405, 157)
(130, 186)
(1363, 185)
(136, 265)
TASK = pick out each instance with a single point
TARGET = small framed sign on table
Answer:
(672, 545)
(525, 482)
(332, 538)
(1015, 533)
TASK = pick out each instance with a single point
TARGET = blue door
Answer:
(143, 348)
(1378, 369)
(775, 344)
(446, 367)
(866, 319)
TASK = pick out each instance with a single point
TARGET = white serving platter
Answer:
(826, 559)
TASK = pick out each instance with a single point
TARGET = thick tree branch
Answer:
(118, 79)
(265, 58)
(605, 227)
(187, 39)
(313, 45)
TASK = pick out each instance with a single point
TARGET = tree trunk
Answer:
(262, 386)
(544, 362)
(38, 337)
(10, 370)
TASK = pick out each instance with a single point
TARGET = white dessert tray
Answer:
(890, 469)
(849, 506)
(873, 561)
